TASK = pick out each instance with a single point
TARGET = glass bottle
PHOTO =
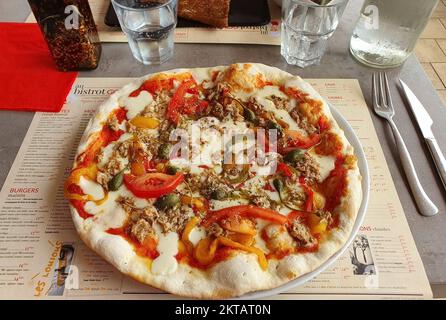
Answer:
(70, 32)
(387, 30)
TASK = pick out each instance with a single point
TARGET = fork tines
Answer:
(381, 92)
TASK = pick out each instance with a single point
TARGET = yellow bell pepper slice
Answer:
(245, 239)
(317, 225)
(145, 122)
(205, 250)
(90, 172)
(207, 247)
(320, 228)
(197, 202)
(239, 224)
(191, 224)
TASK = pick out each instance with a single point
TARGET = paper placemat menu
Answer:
(268, 34)
(41, 255)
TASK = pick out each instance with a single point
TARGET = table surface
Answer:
(429, 233)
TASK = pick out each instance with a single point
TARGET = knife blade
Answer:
(425, 122)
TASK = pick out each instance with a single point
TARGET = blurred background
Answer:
(431, 49)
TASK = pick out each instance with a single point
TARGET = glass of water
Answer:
(149, 27)
(387, 30)
(306, 29)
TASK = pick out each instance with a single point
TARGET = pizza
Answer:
(215, 182)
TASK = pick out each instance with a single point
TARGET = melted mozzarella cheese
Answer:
(209, 145)
(124, 137)
(106, 154)
(111, 205)
(108, 151)
(200, 74)
(255, 183)
(259, 242)
(281, 114)
(269, 91)
(166, 263)
(91, 188)
(284, 210)
(273, 195)
(196, 235)
(112, 219)
(135, 105)
(262, 97)
(326, 164)
(140, 202)
(268, 167)
(236, 127)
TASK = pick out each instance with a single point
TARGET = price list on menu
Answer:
(42, 257)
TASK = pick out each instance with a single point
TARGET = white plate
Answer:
(363, 168)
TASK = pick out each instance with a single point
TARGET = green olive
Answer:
(274, 126)
(249, 115)
(116, 182)
(218, 194)
(164, 151)
(172, 170)
(168, 201)
(278, 184)
(294, 155)
(280, 187)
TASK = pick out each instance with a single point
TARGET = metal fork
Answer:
(382, 103)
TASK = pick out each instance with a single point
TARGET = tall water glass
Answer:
(306, 29)
(387, 30)
(149, 27)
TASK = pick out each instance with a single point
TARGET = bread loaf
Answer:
(212, 12)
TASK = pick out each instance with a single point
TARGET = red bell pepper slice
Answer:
(178, 100)
(284, 170)
(180, 104)
(244, 210)
(296, 140)
(296, 214)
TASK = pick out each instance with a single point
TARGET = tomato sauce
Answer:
(75, 189)
(334, 186)
(121, 114)
(268, 187)
(330, 145)
(294, 93)
(221, 254)
(79, 205)
(215, 75)
(280, 254)
(148, 249)
(324, 124)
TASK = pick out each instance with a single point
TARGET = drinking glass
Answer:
(149, 27)
(306, 29)
(387, 31)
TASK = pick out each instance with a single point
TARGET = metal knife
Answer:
(425, 123)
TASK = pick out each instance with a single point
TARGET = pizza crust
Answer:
(241, 273)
